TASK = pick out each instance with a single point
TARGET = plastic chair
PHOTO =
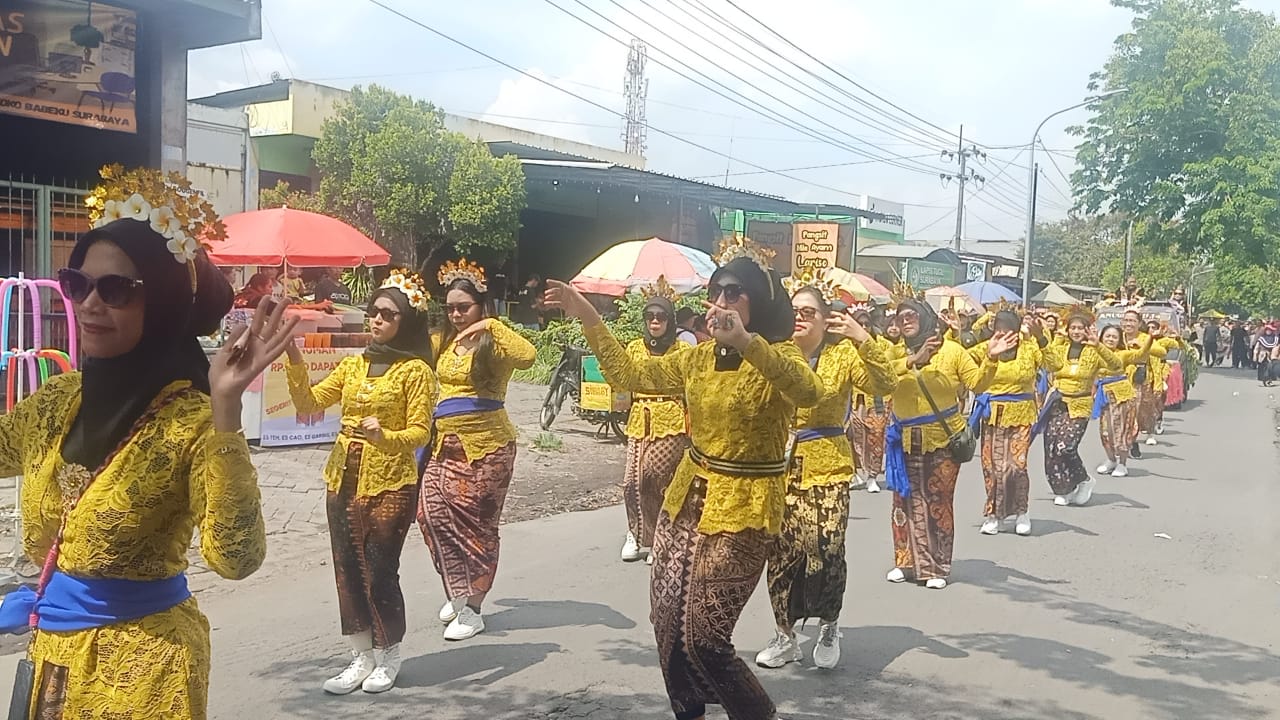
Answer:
(113, 88)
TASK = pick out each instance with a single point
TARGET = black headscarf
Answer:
(771, 314)
(928, 322)
(412, 338)
(116, 391)
(660, 345)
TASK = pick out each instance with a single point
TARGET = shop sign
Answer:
(282, 424)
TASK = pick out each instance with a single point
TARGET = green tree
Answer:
(282, 195)
(389, 166)
(1078, 248)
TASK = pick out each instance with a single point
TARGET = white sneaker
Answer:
(1160, 428)
(1151, 440)
(345, 682)
(383, 677)
(1120, 471)
(936, 584)
(859, 482)
(467, 625)
(630, 549)
(782, 649)
(1106, 468)
(991, 526)
(896, 575)
(648, 556)
(1083, 492)
(873, 485)
(1023, 526)
(826, 654)
(1061, 500)
(449, 610)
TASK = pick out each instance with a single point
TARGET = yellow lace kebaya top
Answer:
(135, 522)
(656, 415)
(842, 366)
(1159, 364)
(401, 399)
(949, 371)
(739, 415)
(862, 398)
(1013, 377)
(482, 433)
(1075, 377)
(1124, 362)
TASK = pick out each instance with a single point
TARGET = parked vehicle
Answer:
(567, 384)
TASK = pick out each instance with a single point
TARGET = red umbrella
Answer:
(300, 238)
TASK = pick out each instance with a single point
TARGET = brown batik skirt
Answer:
(924, 528)
(1118, 427)
(461, 507)
(367, 535)
(651, 463)
(807, 570)
(1150, 408)
(700, 585)
(866, 435)
(1062, 464)
(1004, 470)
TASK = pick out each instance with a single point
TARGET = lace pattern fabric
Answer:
(652, 419)
(484, 433)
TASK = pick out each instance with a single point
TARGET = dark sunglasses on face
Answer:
(656, 316)
(732, 292)
(806, 313)
(459, 308)
(114, 291)
(387, 314)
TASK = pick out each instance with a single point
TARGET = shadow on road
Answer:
(1040, 528)
(477, 664)
(522, 614)
(1100, 499)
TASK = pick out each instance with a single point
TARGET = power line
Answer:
(1054, 162)
(986, 222)
(588, 101)
(944, 216)
(283, 55)
(806, 167)
(376, 76)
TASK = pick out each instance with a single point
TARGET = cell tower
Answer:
(635, 131)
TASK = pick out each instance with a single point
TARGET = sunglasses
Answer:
(387, 314)
(656, 316)
(115, 291)
(732, 292)
(459, 308)
(806, 313)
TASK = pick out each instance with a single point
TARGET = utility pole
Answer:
(635, 129)
(965, 176)
(1128, 253)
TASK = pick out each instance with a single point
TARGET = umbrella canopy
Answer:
(859, 287)
(1054, 295)
(1213, 314)
(633, 264)
(300, 238)
(989, 292)
(944, 297)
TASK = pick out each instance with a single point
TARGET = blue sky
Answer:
(995, 66)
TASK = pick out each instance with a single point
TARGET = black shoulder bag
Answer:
(963, 445)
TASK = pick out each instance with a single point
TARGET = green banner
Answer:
(923, 275)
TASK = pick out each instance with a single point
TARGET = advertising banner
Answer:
(814, 246)
(282, 424)
(69, 62)
(777, 237)
(923, 275)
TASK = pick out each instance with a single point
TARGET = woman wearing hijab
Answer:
(1064, 417)
(656, 437)
(1004, 415)
(1115, 403)
(920, 468)
(807, 570)
(125, 459)
(474, 453)
(724, 507)
(869, 414)
(387, 395)
(1266, 347)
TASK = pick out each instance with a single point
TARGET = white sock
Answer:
(361, 642)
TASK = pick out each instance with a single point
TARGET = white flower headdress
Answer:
(463, 270)
(814, 279)
(410, 283)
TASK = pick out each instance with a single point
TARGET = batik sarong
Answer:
(1062, 464)
(866, 435)
(651, 463)
(1118, 428)
(1004, 470)
(807, 570)
(924, 522)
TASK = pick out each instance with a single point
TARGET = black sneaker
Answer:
(1135, 451)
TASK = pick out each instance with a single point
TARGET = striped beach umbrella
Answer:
(633, 264)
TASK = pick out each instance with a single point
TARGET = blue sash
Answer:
(1042, 383)
(74, 603)
(982, 407)
(1100, 399)
(809, 434)
(1051, 398)
(451, 407)
(895, 456)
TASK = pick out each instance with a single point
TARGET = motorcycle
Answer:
(566, 383)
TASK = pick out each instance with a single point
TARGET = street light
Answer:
(1191, 286)
(1031, 190)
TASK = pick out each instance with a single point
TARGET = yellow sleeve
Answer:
(1053, 357)
(873, 371)
(227, 505)
(973, 375)
(420, 401)
(1109, 358)
(982, 321)
(636, 350)
(1027, 363)
(978, 352)
(785, 367)
(510, 347)
(635, 374)
(13, 430)
(308, 398)
(1160, 348)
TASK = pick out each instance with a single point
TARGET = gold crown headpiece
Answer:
(903, 291)
(411, 284)
(814, 279)
(1005, 306)
(740, 246)
(660, 288)
(167, 202)
(1078, 310)
(463, 270)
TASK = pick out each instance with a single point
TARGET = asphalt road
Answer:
(1093, 617)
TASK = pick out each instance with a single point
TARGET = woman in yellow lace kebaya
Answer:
(123, 462)
(656, 436)
(1064, 417)
(387, 394)
(869, 414)
(1115, 403)
(1145, 378)
(467, 476)
(919, 466)
(807, 571)
(724, 508)
(1003, 415)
